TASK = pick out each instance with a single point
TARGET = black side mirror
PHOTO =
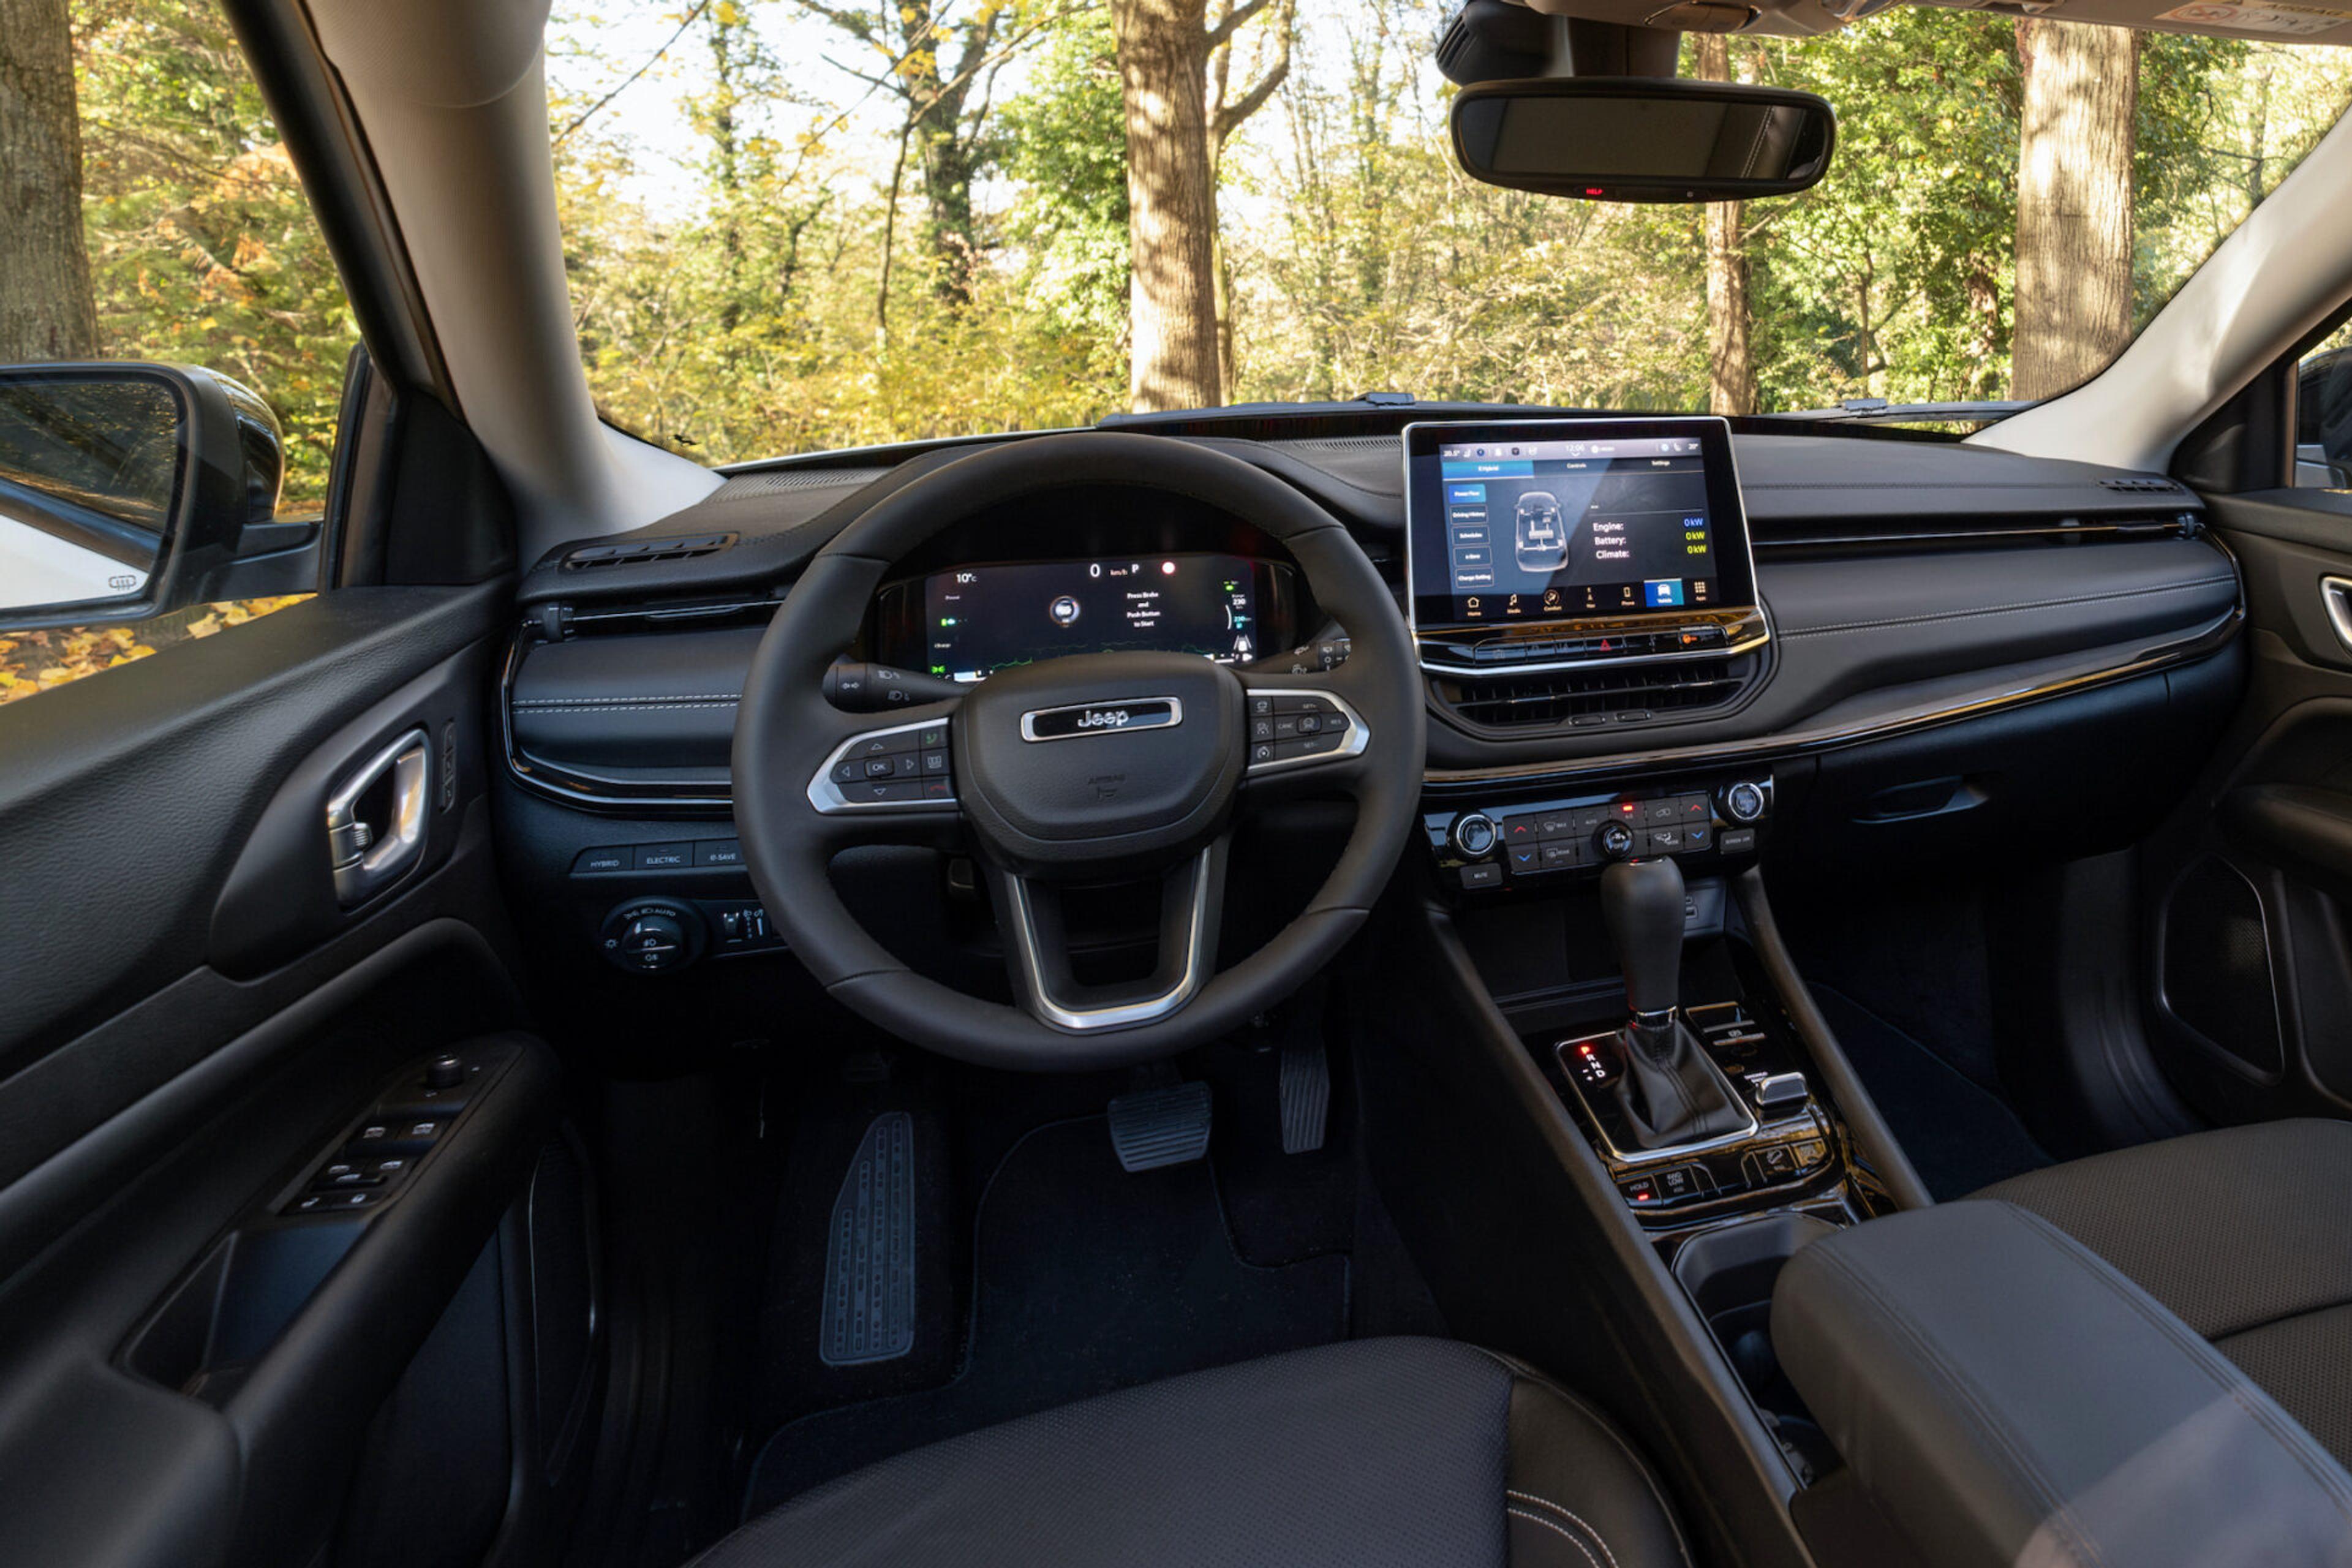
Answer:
(130, 490)
(1643, 138)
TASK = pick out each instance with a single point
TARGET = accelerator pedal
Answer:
(1305, 1092)
(1156, 1127)
(870, 1260)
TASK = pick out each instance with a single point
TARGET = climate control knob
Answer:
(1614, 840)
(1475, 836)
(1744, 802)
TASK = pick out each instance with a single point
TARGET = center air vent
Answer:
(1619, 694)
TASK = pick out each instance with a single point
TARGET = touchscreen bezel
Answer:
(1735, 560)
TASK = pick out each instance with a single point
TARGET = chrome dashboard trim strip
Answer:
(2208, 640)
(1501, 671)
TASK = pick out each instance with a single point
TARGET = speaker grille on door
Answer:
(2217, 963)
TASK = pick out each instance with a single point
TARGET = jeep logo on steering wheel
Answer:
(1101, 718)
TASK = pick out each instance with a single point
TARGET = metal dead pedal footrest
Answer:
(870, 1260)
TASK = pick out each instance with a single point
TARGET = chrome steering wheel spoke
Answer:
(1044, 972)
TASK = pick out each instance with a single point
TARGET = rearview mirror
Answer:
(129, 489)
(1643, 138)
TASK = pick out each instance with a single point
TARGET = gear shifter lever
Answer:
(1671, 1094)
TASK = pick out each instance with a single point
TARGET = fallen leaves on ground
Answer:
(32, 662)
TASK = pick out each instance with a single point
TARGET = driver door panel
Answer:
(196, 1028)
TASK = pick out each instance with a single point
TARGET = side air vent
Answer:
(1619, 695)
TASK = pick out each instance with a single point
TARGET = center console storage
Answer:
(2003, 1396)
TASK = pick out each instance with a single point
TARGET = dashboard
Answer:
(1696, 602)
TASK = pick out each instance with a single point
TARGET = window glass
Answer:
(155, 216)
(793, 226)
(2323, 414)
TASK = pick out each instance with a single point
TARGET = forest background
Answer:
(799, 224)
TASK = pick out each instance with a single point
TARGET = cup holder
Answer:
(1729, 1274)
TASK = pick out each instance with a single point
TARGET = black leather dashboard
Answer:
(1904, 580)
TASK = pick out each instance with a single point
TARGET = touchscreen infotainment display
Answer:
(981, 619)
(1528, 521)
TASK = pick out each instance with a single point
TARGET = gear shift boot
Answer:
(1670, 1093)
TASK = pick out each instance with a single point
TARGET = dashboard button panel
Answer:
(1537, 842)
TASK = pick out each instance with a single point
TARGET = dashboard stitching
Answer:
(624, 697)
(2003, 609)
(624, 707)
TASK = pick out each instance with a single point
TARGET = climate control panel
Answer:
(1533, 842)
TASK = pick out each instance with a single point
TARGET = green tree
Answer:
(203, 247)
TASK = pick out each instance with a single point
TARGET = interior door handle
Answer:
(2335, 593)
(375, 818)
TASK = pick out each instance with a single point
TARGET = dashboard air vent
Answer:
(2148, 487)
(1622, 694)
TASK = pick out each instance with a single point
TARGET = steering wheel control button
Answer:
(910, 764)
(1287, 727)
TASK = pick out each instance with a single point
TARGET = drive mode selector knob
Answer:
(1474, 834)
(1744, 802)
(1614, 840)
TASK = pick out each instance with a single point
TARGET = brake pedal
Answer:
(1306, 1093)
(1156, 1127)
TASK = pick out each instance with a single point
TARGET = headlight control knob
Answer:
(1744, 802)
(648, 936)
(1474, 834)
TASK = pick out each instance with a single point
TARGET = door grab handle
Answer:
(2335, 593)
(367, 855)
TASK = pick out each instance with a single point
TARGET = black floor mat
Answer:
(1959, 1135)
(1089, 1279)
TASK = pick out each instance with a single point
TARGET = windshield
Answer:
(795, 225)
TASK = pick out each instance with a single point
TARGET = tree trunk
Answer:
(1171, 203)
(1730, 316)
(45, 307)
(2074, 203)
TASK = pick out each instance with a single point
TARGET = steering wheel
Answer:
(1091, 769)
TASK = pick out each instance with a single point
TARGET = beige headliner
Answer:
(1797, 19)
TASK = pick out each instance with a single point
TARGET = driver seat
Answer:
(1364, 1455)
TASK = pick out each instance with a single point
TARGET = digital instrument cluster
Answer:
(968, 622)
